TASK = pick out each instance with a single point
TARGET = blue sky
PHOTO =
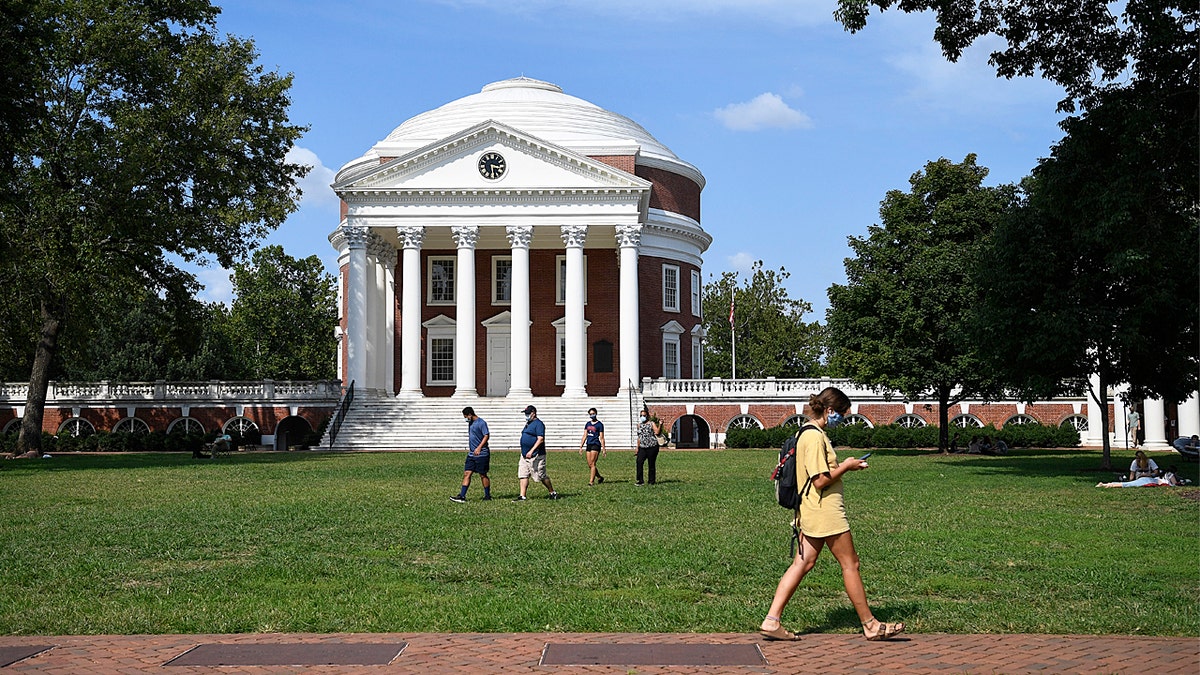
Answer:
(799, 127)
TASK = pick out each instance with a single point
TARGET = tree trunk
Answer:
(943, 420)
(1101, 399)
(39, 380)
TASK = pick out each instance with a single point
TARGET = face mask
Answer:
(467, 420)
(592, 416)
(642, 418)
(835, 418)
(526, 417)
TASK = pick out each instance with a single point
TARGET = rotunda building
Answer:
(519, 242)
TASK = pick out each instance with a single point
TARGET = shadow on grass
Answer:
(1084, 465)
(141, 460)
(846, 617)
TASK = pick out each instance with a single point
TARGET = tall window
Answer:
(670, 283)
(441, 280)
(697, 359)
(561, 279)
(671, 356)
(501, 280)
(441, 360)
(695, 292)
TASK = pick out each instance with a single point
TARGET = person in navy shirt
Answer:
(593, 442)
(478, 456)
(533, 454)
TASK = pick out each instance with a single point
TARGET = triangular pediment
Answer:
(452, 166)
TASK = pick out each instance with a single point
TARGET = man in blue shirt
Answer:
(533, 454)
(478, 456)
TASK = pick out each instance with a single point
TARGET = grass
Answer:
(160, 543)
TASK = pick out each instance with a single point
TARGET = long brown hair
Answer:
(1142, 461)
(830, 398)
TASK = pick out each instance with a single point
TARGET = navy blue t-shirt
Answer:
(593, 429)
(533, 429)
(475, 435)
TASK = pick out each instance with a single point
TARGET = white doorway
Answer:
(499, 372)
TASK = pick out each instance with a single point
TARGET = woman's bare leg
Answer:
(842, 548)
(801, 565)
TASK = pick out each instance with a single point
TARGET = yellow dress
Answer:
(822, 513)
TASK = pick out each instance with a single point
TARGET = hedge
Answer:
(895, 436)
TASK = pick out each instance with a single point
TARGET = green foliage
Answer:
(896, 436)
(155, 140)
(904, 319)
(773, 340)
(283, 316)
(366, 542)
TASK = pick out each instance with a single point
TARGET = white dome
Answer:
(538, 108)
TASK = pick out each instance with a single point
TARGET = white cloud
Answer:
(218, 287)
(741, 262)
(765, 111)
(315, 186)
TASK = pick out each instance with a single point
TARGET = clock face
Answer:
(491, 165)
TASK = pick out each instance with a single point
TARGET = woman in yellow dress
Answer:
(821, 518)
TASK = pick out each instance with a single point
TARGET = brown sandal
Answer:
(883, 631)
(780, 633)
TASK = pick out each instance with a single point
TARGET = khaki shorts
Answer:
(532, 468)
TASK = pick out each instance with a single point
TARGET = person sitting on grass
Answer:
(1142, 467)
(1188, 447)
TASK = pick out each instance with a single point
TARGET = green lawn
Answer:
(370, 542)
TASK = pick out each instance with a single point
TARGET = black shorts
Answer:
(478, 464)
(593, 448)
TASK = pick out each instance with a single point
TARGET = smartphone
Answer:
(865, 456)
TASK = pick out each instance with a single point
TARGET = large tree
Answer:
(772, 337)
(155, 140)
(1097, 272)
(903, 320)
(283, 316)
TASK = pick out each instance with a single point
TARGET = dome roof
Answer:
(540, 109)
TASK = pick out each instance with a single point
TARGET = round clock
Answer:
(492, 165)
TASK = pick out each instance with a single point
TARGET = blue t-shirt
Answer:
(533, 429)
(475, 435)
(593, 429)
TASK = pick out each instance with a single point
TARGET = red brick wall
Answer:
(672, 192)
(652, 316)
(159, 419)
(622, 162)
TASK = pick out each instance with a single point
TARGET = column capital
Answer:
(629, 235)
(519, 236)
(411, 236)
(356, 236)
(573, 236)
(465, 236)
(379, 247)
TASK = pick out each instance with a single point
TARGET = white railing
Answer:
(768, 388)
(60, 393)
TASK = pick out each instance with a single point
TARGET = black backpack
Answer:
(787, 491)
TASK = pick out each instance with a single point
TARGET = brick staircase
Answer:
(388, 423)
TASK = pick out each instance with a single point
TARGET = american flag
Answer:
(731, 296)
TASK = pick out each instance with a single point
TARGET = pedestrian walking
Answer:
(478, 456)
(821, 518)
(592, 442)
(533, 454)
(647, 440)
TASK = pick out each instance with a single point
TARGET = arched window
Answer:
(77, 426)
(186, 425)
(13, 426)
(131, 425)
(1077, 422)
(1018, 420)
(966, 422)
(858, 419)
(795, 421)
(910, 421)
(241, 425)
(745, 422)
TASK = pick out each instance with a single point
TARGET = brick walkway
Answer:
(431, 653)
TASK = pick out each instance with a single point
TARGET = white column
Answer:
(356, 315)
(1154, 423)
(573, 237)
(1189, 416)
(411, 239)
(388, 263)
(1096, 428)
(519, 238)
(375, 313)
(629, 237)
(464, 296)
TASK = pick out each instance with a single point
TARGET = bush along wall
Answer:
(894, 436)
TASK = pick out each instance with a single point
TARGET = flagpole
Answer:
(732, 336)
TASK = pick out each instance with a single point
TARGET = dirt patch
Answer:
(1193, 495)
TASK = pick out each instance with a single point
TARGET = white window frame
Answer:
(560, 279)
(697, 358)
(430, 299)
(440, 327)
(560, 342)
(496, 260)
(670, 302)
(696, 303)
